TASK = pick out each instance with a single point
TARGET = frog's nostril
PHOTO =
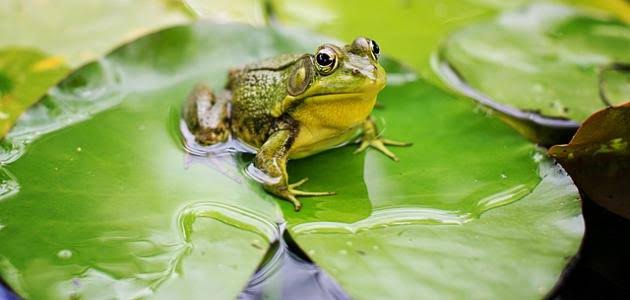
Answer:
(355, 71)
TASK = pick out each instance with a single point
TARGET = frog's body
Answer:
(292, 106)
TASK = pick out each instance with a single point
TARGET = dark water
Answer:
(290, 275)
(5, 293)
(601, 269)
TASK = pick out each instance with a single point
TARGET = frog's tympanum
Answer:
(293, 106)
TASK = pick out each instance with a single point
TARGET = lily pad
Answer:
(25, 76)
(598, 158)
(96, 176)
(113, 203)
(72, 32)
(242, 11)
(541, 64)
(440, 224)
(413, 30)
(80, 31)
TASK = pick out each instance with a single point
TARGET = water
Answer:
(5, 293)
(289, 274)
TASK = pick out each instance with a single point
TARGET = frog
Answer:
(293, 106)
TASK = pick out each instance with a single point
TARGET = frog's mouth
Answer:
(330, 97)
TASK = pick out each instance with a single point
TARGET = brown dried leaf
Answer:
(598, 158)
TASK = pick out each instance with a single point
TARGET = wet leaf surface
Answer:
(70, 32)
(441, 223)
(96, 176)
(25, 76)
(598, 158)
(80, 31)
(533, 59)
(411, 31)
(114, 204)
(411, 35)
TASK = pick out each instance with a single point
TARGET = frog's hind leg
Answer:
(207, 116)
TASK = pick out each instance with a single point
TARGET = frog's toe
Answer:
(381, 145)
(297, 205)
(311, 194)
(301, 182)
(296, 192)
(290, 193)
(364, 145)
(396, 143)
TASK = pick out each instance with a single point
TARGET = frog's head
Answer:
(333, 71)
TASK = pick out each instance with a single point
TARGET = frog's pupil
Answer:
(324, 59)
(375, 48)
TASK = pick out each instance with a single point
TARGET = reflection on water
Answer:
(220, 157)
(8, 185)
(221, 149)
(288, 274)
(499, 199)
(6, 294)
(384, 218)
(228, 214)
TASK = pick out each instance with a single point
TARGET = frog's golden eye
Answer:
(376, 50)
(326, 60)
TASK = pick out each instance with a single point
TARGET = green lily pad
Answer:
(515, 251)
(243, 11)
(440, 225)
(413, 30)
(543, 60)
(114, 204)
(72, 32)
(80, 31)
(96, 177)
(25, 76)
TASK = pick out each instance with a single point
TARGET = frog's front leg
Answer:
(371, 138)
(272, 160)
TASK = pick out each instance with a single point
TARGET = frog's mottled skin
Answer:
(292, 106)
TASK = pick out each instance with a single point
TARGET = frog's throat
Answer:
(291, 101)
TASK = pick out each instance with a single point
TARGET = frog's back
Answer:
(256, 89)
(275, 63)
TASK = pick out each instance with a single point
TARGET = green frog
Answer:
(293, 106)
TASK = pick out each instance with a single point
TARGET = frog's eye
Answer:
(376, 50)
(326, 60)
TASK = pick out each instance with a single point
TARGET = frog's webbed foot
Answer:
(381, 145)
(291, 193)
(272, 159)
(370, 138)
